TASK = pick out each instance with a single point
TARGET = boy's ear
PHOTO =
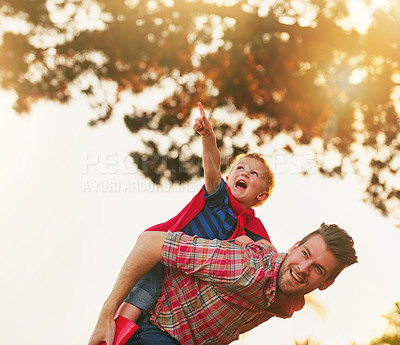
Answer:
(263, 196)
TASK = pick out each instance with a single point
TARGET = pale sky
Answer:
(72, 206)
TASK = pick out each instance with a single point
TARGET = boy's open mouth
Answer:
(241, 184)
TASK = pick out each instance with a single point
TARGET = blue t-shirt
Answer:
(216, 219)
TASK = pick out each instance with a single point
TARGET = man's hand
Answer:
(103, 332)
(202, 125)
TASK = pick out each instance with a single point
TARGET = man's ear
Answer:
(263, 196)
(327, 284)
(293, 247)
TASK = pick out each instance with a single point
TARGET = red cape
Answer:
(246, 218)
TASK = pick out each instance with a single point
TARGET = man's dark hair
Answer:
(339, 242)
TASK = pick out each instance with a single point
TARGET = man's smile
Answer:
(296, 277)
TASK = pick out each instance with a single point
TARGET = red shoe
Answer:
(124, 329)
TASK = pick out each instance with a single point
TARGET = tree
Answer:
(289, 68)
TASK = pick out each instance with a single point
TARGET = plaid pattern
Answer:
(215, 290)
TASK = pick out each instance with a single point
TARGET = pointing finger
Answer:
(202, 112)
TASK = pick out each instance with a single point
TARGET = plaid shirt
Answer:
(215, 290)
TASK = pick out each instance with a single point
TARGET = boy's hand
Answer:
(268, 244)
(211, 156)
(202, 125)
(243, 240)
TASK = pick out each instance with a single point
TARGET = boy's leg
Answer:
(142, 297)
(129, 311)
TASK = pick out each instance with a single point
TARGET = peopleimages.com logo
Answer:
(116, 163)
(115, 172)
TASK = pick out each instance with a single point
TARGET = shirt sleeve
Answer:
(216, 199)
(215, 261)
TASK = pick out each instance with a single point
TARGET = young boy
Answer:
(220, 210)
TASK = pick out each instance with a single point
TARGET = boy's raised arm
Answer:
(211, 156)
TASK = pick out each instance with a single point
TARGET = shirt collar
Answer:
(281, 306)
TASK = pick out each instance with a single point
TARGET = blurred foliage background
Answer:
(392, 334)
(390, 337)
(294, 69)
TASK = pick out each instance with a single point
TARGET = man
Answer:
(215, 290)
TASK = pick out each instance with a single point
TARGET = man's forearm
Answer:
(144, 255)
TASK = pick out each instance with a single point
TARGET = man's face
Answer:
(306, 268)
